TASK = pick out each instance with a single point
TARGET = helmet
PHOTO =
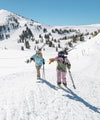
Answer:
(59, 54)
(62, 53)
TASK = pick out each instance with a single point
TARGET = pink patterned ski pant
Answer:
(61, 75)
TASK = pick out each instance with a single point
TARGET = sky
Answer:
(56, 12)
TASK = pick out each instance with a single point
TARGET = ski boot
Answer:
(59, 84)
(65, 84)
(38, 78)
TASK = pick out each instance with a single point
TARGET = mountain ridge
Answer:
(23, 29)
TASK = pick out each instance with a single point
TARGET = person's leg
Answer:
(58, 77)
(64, 77)
(38, 71)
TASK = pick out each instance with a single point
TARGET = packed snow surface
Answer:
(23, 97)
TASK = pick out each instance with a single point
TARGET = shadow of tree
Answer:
(74, 96)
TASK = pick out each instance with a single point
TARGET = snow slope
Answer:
(23, 97)
(13, 25)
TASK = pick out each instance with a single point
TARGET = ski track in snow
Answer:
(41, 100)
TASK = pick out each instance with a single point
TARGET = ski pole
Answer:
(71, 79)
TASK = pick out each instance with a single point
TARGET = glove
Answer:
(32, 59)
(27, 61)
(68, 67)
(51, 60)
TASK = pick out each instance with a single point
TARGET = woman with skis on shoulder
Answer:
(39, 60)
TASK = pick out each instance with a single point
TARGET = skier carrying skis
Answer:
(39, 60)
(62, 65)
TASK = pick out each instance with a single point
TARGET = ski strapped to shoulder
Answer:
(71, 48)
(65, 52)
(41, 47)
